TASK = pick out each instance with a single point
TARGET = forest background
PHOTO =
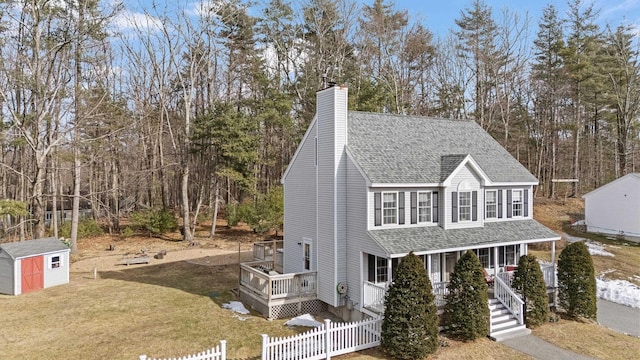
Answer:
(192, 106)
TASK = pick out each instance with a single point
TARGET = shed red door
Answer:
(32, 273)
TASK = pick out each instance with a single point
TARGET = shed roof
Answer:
(419, 150)
(28, 248)
(400, 241)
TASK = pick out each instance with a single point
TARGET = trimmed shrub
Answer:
(528, 281)
(155, 222)
(410, 326)
(86, 228)
(577, 282)
(466, 312)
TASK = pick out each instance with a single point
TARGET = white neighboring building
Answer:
(614, 208)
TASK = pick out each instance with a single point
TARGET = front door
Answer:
(450, 260)
(306, 254)
(32, 273)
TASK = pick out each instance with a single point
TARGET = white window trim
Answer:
(430, 207)
(470, 206)
(383, 208)
(513, 203)
(495, 204)
(379, 268)
(59, 262)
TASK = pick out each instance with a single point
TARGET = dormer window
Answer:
(464, 198)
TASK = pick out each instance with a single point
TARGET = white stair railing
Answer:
(509, 299)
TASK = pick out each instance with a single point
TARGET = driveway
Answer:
(620, 318)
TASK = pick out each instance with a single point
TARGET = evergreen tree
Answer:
(529, 282)
(466, 311)
(576, 281)
(410, 327)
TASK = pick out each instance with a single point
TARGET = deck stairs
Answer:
(503, 324)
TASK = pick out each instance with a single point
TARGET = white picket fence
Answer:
(218, 352)
(330, 339)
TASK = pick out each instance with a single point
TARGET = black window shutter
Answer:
(454, 207)
(378, 209)
(414, 207)
(371, 265)
(434, 201)
(499, 204)
(526, 202)
(474, 206)
(401, 208)
(509, 204)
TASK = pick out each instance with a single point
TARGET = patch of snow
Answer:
(303, 320)
(236, 306)
(597, 249)
(579, 222)
(619, 291)
(570, 238)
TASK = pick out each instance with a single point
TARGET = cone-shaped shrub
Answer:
(466, 312)
(410, 326)
(577, 282)
(528, 281)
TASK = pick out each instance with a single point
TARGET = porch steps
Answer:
(503, 325)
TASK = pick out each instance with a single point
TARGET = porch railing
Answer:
(269, 250)
(374, 296)
(254, 276)
(549, 274)
(508, 298)
(440, 291)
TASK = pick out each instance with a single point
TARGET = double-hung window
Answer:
(56, 262)
(378, 269)
(424, 207)
(491, 201)
(484, 257)
(389, 208)
(464, 205)
(516, 202)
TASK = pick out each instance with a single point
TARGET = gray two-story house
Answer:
(365, 189)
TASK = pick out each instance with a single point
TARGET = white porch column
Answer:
(553, 253)
(429, 266)
(389, 271)
(523, 249)
(443, 267)
(495, 261)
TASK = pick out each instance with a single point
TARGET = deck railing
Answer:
(271, 250)
(255, 277)
(549, 274)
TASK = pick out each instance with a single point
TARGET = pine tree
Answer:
(576, 281)
(410, 327)
(529, 282)
(466, 311)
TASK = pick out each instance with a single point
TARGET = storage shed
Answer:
(31, 265)
(614, 208)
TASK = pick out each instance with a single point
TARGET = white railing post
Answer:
(327, 338)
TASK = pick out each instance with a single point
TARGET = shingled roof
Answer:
(27, 248)
(435, 238)
(419, 150)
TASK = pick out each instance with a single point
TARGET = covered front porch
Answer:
(499, 263)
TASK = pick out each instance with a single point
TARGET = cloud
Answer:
(127, 20)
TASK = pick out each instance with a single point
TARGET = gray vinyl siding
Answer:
(332, 137)
(57, 276)
(300, 206)
(358, 241)
(7, 275)
(465, 174)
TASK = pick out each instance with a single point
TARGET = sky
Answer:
(439, 16)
